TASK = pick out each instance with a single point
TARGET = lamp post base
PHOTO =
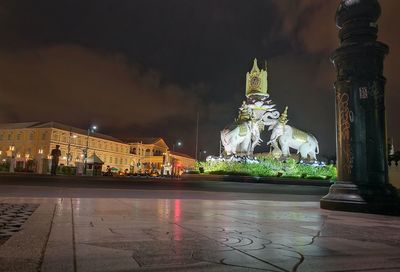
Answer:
(345, 196)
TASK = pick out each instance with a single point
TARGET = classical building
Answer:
(29, 146)
(148, 153)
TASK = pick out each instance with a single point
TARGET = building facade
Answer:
(30, 144)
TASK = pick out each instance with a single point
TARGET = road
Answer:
(20, 185)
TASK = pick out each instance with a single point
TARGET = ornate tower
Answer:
(360, 113)
(256, 81)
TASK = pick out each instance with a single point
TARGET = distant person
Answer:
(55, 156)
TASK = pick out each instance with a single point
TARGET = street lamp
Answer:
(202, 152)
(178, 144)
(92, 129)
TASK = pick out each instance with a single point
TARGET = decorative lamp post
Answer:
(362, 184)
(39, 168)
(11, 155)
(69, 156)
(92, 129)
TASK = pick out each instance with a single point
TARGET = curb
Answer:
(266, 180)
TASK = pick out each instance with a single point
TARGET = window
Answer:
(1, 137)
(134, 150)
(31, 136)
(44, 136)
(9, 137)
(120, 161)
(115, 160)
(18, 137)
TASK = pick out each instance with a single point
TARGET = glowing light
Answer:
(177, 210)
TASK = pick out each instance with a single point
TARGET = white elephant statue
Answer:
(241, 139)
(289, 137)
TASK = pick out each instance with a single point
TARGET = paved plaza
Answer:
(152, 230)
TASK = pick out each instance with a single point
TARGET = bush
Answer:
(67, 170)
(5, 167)
(270, 167)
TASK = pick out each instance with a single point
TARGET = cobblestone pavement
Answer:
(12, 218)
(88, 234)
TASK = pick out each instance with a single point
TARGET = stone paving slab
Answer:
(87, 234)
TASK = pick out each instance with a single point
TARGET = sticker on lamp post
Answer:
(363, 92)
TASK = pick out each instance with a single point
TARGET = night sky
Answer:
(144, 68)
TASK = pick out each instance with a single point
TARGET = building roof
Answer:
(94, 159)
(147, 140)
(143, 140)
(58, 126)
(17, 125)
(173, 153)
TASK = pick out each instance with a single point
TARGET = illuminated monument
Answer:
(257, 112)
(360, 114)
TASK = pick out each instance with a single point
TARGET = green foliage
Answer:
(4, 167)
(66, 170)
(270, 167)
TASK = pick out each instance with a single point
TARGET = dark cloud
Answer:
(144, 68)
(72, 83)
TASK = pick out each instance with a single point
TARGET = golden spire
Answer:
(256, 81)
(283, 118)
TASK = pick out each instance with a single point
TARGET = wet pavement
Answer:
(198, 234)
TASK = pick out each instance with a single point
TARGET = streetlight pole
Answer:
(91, 129)
(202, 152)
